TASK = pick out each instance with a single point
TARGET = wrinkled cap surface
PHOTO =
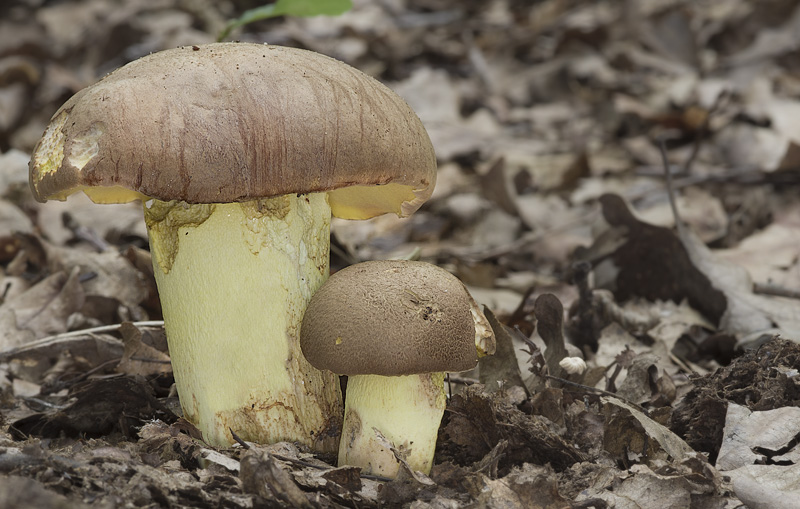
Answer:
(230, 122)
(392, 318)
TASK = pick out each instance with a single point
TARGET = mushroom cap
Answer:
(391, 318)
(229, 122)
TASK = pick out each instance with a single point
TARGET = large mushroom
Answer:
(394, 327)
(240, 154)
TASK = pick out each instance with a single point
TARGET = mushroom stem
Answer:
(407, 410)
(234, 281)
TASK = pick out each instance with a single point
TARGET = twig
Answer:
(462, 380)
(775, 290)
(152, 361)
(43, 403)
(704, 129)
(62, 382)
(595, 389)
(238, 440)
(84, 233)
(304, 463)
(47, 341)
(670, 190)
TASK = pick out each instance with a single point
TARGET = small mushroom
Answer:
(241, 153)
(395, 328)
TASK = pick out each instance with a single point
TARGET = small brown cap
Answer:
(231, 122)
(391, 318)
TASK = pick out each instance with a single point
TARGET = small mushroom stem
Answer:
(407, 410)
(234, 281)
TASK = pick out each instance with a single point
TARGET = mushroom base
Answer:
(234, 281)
(406, 410)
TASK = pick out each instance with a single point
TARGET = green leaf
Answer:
(299, 8)
(306, 8)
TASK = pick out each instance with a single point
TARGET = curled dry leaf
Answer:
(651, 262)
(668, 441)
(746, 315)
(100, 407)
(767, 486)
(689, 483)
(478, 421)
(525, 486)
(42, 310)
(760, 379)
(549, 324)
(26, 493)
(107, 274)
(502, 368)
(32, 360)
(139, 358)
(765, 437)
(263, 475)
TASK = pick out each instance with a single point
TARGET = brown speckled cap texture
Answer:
(390, 318)
(232, 122)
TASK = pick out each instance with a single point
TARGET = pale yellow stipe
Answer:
(234, 281)
(407, 410)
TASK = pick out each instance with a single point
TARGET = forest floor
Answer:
(569, 134)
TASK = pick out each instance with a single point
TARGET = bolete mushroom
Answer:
(240, 154)
(395, 328)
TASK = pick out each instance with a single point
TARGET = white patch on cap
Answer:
(86, 147)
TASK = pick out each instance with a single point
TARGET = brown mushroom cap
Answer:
(229, 122)
(390, 318)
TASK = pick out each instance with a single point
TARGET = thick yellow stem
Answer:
(407, 410)
(234, 281)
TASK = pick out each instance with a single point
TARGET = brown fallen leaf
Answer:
(262, 475)
(668, 441)
(101, 406)
(760, 379)
(500, 369)
(477, 421)
(549, 324)
(347, 477)
(524, 487)
(112, 275)
(33, 359)
(43, 309)
(759, 437)
(139, 358)
(747, 315)
(25, 493)
(498, 189)
(690, 483)
(767, 486)
(636, 387)
(650, 261)
(163, 442)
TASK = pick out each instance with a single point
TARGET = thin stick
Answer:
(47, 341)
(102, 328)
(670, 189)
(238, 440)
(595, 389)
(777, 291)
